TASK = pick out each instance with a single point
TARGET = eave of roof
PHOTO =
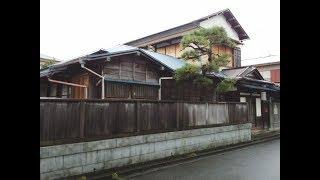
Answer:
(163, 34)
(257, 80)
(131, 82)
(169, 62)
(272, 89)
(233, 72)
(242, 71)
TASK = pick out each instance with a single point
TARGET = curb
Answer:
(156, 165)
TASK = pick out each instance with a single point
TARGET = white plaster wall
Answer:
(220, 20)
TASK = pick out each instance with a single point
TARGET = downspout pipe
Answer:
(162, 78)
(82, 63)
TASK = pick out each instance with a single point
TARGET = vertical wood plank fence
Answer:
(65, 120)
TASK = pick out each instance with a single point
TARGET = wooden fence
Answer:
(66, 120)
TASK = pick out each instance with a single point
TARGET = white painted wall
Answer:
(266, 75)
(220, 20)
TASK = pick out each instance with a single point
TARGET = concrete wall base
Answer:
(78, 158)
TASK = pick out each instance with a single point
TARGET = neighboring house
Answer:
(168, 41)
(270, 71)
(44, 59)
(263, 97)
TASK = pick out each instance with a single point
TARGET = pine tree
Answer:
(198, 47)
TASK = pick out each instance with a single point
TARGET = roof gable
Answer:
(234, 72)
(243, 72)
(255, 74)
(101, 51)
(222, 22)
(234, 26)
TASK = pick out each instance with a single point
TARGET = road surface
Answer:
(257, 162)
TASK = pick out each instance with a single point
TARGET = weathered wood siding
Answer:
(44, 86)
(69, 120)
(188, 91)
(251, 109)
(237, 57)
(108, 118)
(133, 68)
(154, 116)
(78, 92)
(144, 92)
(175, 50)
(59, 120)
(131, 91)
(117, 90)
(136, 71)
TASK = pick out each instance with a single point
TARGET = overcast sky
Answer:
(70, 28)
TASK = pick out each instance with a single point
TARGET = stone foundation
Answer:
(73, 159)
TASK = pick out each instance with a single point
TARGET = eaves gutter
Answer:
(55, 68)
(100, 56)
(256, 80)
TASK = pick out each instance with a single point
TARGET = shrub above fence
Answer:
(63, 120)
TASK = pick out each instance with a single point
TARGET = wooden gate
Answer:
(265, 114)
(251, 110)
(258, 123)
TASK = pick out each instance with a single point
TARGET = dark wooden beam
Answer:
(236, 26)
(231, 19)
(176, 40)
(163, 44)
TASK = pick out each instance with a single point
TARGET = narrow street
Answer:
(257, 162)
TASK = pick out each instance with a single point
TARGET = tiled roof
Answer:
(168, 61)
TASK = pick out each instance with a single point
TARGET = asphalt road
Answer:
(257, 162)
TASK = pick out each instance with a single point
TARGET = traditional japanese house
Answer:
(125, 72)
(128, 73)
(168, 41)
(263, 97)
(251, 86)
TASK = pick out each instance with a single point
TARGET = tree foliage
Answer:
(187, 72)
(48, 63)
(191, 72)
(226, 85)
(198, 46)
